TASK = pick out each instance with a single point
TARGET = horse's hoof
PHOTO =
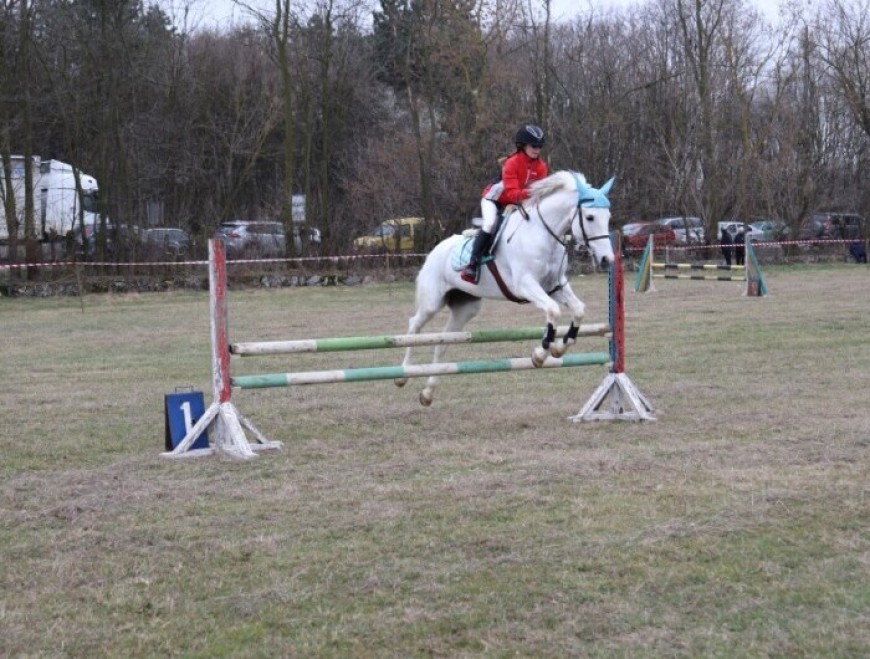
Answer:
(558, 349)
(539, 356)
(425, 398)
(400, 382)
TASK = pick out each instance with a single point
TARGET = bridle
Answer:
(596, 202)
(581, 199)
(563, 243)
(578, 216)
(587, 239)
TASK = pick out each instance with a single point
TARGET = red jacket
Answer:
(518, 172)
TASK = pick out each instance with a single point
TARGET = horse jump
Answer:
(750, 271)
(615, 399)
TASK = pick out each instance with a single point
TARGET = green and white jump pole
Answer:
(405, 340)
(416, 370)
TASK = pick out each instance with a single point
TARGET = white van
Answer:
(57, 204)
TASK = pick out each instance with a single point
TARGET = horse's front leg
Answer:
(533, 292)
(566, 296)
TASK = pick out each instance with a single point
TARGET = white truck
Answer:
(56, 203)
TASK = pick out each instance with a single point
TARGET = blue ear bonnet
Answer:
(593, 197)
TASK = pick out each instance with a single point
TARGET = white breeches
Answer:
(489, 211)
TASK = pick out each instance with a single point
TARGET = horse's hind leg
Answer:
(462, 309)
(425, 311)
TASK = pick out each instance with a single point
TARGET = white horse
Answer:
(529, 265)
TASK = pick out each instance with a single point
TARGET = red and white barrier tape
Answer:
(755, 243)
(148, 264)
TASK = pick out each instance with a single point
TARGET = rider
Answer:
(520, 170)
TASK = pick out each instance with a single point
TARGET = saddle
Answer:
(462, 254)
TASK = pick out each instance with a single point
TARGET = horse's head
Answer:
(591, 226)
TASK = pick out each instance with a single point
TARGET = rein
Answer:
(551, 232)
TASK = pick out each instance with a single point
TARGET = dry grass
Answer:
(488, 524)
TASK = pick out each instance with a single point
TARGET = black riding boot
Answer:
(481, 244)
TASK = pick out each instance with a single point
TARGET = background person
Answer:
(726, 240)
(740, 245)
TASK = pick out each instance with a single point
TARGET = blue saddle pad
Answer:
(461, 253)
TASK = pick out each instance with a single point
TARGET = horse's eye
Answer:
(590, 218)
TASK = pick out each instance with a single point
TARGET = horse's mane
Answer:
(561, 180)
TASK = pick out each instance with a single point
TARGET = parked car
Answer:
(398, 235)
(686, 229)
(735, 227)
(163, 243)
(771, 230)
(834, 226)
(244, 239)
(635, 236)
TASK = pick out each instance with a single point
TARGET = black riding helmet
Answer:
(529, 134)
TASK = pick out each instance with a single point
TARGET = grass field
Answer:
(738, 524)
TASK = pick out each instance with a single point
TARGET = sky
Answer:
(227, 12)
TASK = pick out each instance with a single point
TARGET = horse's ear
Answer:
(605, 189)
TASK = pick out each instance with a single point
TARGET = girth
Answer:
(493, 268)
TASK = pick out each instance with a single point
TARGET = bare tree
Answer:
(16, 43)
(843, 33)
(844, 46)
(281, 33)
